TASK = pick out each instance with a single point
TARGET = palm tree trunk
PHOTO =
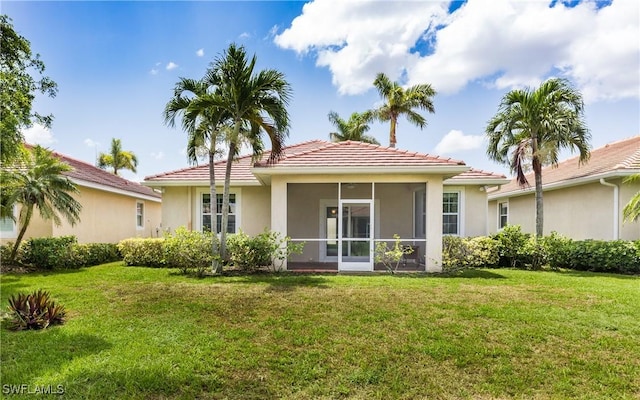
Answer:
(23, 229)
(216, 265)
(225, 200)
(537, 172)
(392, 132)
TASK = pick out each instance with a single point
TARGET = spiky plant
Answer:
(35, 311)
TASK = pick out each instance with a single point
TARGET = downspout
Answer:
(616, 207)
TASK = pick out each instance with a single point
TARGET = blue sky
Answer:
(116, 64)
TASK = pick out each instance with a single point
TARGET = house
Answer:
(113, 209)
(340, 199)
(580, 201)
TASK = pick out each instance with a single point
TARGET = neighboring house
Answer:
(113, 209)
(338, 198)
(580, 201)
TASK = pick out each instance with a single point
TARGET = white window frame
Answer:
(140, 226)
(461, 206)
(506, 203)
(200, 191)
(13, 233)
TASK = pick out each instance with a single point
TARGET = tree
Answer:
(203, 125)
(117, 158)
(531, 127)
(39, 182)
(399, 101)
(250, 103)
(353, 129)
(18, 88)
(631, 210)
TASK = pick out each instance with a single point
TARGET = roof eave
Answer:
(158, 183)
(451, 170)
(110, 189)
(477, 181)
(566, 183)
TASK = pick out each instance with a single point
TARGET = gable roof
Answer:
(318, 157)
(616, 159)
(87, 175)
(477, 177)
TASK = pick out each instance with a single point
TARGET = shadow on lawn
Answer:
(466, 274)
(53, 349)
(285, 282)
(591, 274)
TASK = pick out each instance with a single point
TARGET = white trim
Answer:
(93, 185)
(384, 170)
(200, 191)
(138, 226)
(460, 213)
(565, 184)
(498, 228)
(159, 183)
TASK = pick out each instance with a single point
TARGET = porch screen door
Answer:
(355, 228)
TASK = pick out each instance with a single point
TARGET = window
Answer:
(207, 213)
(450, 213)
(503, 214)
(8, 227)
(140, 215)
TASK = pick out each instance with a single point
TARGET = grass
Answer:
(487, 334)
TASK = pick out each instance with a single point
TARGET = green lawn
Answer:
(149, 333)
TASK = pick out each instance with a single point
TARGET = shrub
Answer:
(461, 253)
(617, 256)
(391, 257)
(267, 249)
(511, 240)
(35, 311)
(50, 252)
(88, 254)
(558, 250)
(188, 250)
(147, 252)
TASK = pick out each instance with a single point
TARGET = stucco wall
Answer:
(256, 209)
(109, 217)
(176, 208)
(580, 212)
(105, 218)
(37, 228)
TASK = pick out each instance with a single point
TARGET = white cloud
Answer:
(244, 35)
(153, 71)
(171, 66)
(200, 52)
(502, 43)
(38, 134)
(157, 156)
(456, 141)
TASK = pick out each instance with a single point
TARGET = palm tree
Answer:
(203, 126)
(251, 103)
(117, 158)
(631, 211)
(353, 129)
(39, 182)
(531, 126)
(399, 101)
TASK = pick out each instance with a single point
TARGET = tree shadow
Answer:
(28, 356)
(465, 274)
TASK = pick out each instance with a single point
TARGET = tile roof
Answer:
(618, 158)
(477, 174)
(351, 154)
(310, 154)
(88, 173)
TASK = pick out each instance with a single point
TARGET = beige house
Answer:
(340, 199)
(113, 209)
(580, 201)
